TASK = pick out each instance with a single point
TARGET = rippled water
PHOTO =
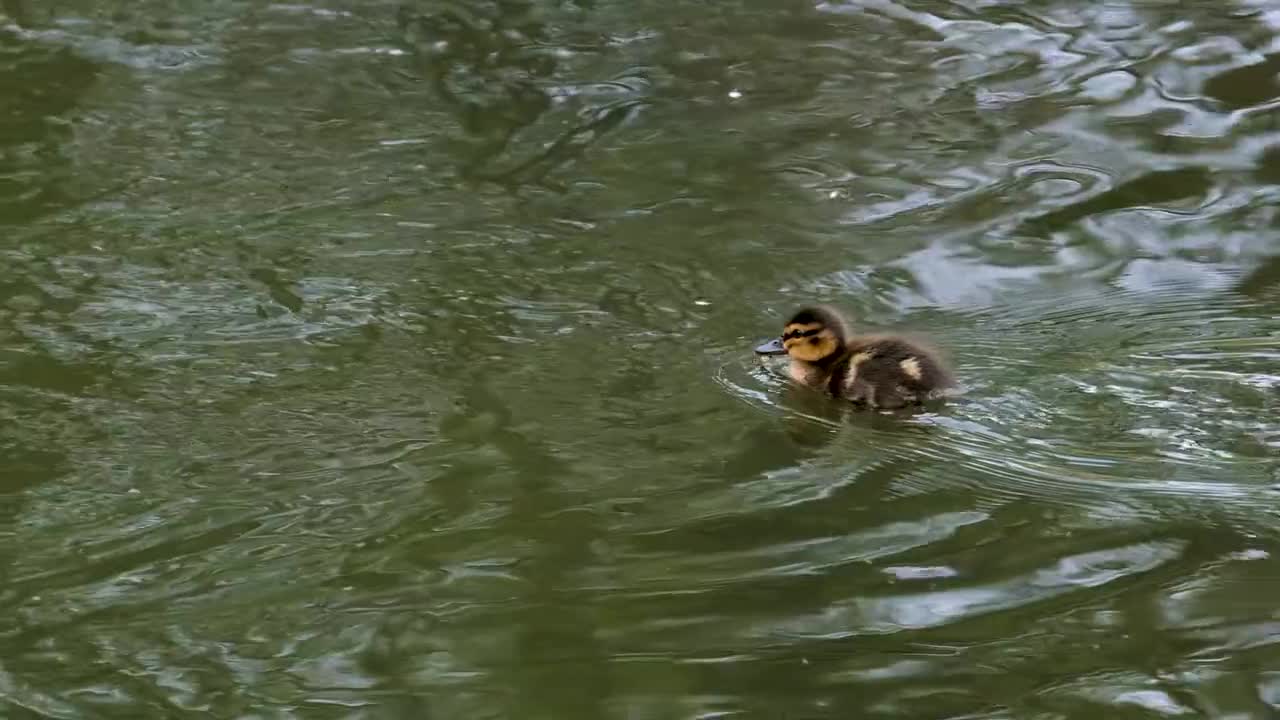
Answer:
(383, 360)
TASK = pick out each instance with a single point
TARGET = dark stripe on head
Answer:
(819, 316)
(801, 333)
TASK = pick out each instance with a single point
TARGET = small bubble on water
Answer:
(734, 94)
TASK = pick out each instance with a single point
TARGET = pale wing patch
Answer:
(851, 376)
(911, 366)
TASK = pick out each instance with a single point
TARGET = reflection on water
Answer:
(394, 360)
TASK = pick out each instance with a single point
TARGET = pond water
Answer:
(392, 360)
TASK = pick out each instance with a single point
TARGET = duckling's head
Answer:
(812, 335)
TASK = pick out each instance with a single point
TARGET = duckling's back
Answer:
(890, 371)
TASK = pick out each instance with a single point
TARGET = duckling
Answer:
(879, 371)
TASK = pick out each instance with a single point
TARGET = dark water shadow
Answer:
(1152, 188)
(1246, 86)
(488, 62)
(17, 10)
(551, 623)
(41, 84)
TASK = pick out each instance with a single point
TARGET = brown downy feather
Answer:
(883, 371)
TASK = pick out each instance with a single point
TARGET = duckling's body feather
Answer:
(880, 371)
(887, 371)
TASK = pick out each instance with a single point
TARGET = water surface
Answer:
(391, 360)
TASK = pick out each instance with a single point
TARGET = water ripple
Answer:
(394, 361)
(906, 612)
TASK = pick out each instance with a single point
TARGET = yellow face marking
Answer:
(911, 367)
(812, 348)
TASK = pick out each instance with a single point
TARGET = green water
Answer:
(379, 360)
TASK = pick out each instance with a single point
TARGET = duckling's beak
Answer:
(773, 347)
